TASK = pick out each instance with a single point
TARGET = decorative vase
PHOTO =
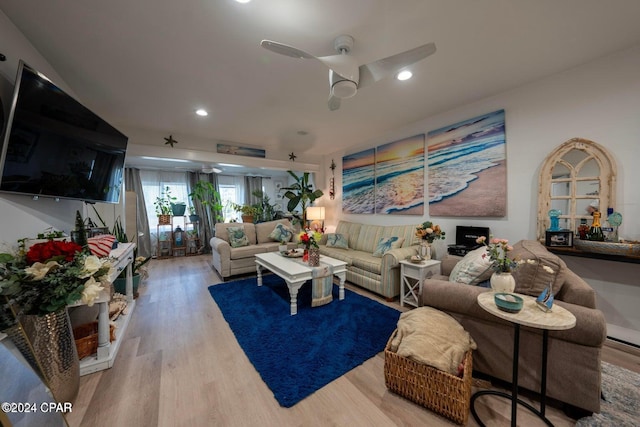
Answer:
(54, 348)
(503, 282)
(314, 257)
(282, 248)
(305, 255)
(425, 250)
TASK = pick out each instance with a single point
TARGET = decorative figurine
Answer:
(554, 215)
(545, 299)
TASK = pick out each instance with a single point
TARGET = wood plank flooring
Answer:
(180, 365)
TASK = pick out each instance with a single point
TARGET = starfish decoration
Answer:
(292, 157)
(170, 141)
(333, 166)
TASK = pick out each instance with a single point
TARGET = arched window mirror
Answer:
(577, 174)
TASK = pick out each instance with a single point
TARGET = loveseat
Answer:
(379, 274)
(229, 261)
(574, 355)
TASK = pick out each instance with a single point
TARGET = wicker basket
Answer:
(86, 338)
(443, 393)
(164, 219)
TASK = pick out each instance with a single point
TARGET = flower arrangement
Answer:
(50, 276)
(498, 252)
(310, 238)
(429, 231)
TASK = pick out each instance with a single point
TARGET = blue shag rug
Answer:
(297, 355)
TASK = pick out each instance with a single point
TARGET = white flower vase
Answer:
(425, 250)
(503, 282)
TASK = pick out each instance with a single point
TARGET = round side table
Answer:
(555, 320)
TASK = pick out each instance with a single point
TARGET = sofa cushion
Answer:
(264, 229)
(406, 232)
(247, 251)
(237, 238)
(386, 244)
(281, 233)
(532, 278)
(350, 229)
(366, 261)
(249, 230)
(474, 268)
(336, 240)
(368, 238)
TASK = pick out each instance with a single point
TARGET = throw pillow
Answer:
(281, 233)
(339, 241)
(533, 278)
(386, 244)
(237, 238)
(474, 268)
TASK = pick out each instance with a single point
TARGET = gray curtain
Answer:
(251, 184)
(207, 222)
(132, 183)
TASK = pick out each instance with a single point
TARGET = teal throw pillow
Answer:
(237, 238)
(340, 241)
(281, 233)
(386, 244)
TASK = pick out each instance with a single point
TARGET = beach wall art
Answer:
(241, 151)
(467, 171)
(358, 180)
(400, 177)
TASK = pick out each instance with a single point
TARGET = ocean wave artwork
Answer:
(358, 182)
(400, 177)
(467, 167)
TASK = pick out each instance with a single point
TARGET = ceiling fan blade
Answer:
(345, 65)
(334, 103)
(284, 49)
(377, 70)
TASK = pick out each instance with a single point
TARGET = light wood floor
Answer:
(180, 365)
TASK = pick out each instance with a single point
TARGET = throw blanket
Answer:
(430, 336)
(321, 284)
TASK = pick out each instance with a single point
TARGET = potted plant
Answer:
(247, 212)
(163, 206)
(205, 193)
(266, 211)
(193, 216)
(178, 208)
(301, 193)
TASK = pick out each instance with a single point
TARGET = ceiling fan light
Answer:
(404, 75)
(344, 89)
(202, 112)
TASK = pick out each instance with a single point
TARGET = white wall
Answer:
(599, 101)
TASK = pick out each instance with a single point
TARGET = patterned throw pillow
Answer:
(340, 241)
(101, 245)
(474, 268)
(386, 244)
(281, 233)
(237, 238)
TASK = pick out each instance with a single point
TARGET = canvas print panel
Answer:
(467, 169)
(400, 177)
(358, 179)
(240, 151)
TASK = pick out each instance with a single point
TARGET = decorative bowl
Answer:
(416, 259)
(293, 253)
(508, 302)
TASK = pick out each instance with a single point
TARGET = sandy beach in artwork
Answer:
(485, 196)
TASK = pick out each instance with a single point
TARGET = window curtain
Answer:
(133, 183)
(251, 184)
(207, 222)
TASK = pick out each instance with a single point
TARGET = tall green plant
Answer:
(301, 193)
(206, 194)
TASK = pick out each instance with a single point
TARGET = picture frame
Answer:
(562, 239)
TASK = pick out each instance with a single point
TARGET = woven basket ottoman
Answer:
(443, 393)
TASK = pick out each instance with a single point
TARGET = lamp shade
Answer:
(315, 212)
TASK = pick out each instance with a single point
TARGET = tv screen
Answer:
(55, 147)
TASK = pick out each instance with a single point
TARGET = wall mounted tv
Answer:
(55, 147)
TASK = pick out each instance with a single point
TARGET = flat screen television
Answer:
(55, 147)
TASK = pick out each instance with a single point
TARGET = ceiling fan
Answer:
(345, 76)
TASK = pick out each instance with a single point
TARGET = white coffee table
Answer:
(295, 274)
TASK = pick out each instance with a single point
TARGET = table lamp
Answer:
(315, 214)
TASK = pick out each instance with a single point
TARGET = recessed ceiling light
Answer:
(243, 1)
(404, 75)
(202, 112)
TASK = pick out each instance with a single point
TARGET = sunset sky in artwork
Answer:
(403, 149)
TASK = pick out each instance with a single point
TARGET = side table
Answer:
(412, 276)
(530, 315)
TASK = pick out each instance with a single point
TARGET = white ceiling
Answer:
(149, 64)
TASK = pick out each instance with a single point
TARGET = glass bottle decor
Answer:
(595, 231)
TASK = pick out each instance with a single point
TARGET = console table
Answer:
(557, 319)
(122, 258)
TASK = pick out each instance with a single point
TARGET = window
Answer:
(576, 175)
